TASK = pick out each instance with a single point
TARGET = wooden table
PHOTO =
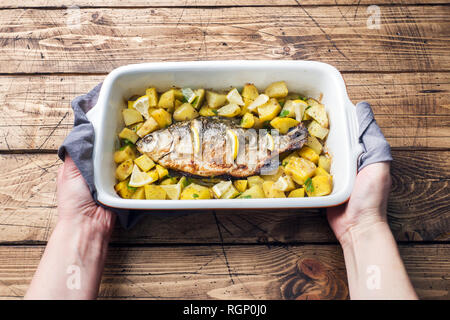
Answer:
(402, 69)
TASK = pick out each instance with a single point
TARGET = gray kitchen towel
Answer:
(79, 145)
(375, 147)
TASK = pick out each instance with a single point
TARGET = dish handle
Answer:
(356, 147)
(94, 117)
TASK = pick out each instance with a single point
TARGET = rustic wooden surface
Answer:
(402, 69)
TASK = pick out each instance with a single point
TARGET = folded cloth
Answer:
(79, 144)
(375, 147)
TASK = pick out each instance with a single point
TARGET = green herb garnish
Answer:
(126, 143)
(131, 188)
(307, 107)
(303, 98)
(195, 196)
(194, 103)
(309, 185)
(215, 111)
(246, 197)
(282, 103)
(283, 113)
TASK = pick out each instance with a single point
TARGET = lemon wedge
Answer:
(173, 191)
(188, 94)
(139, 178)
(196, 139)
(270, 142)
(234, 97)
(232, 136)
(259, 101)
(221, 188)
(142, 104)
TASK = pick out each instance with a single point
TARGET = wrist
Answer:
(370, 228)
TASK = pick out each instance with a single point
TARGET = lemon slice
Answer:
(221, 188)
(259, 101)
(270, 142)
(234, 97)
(142, 104)
(232, 136)
(139, 178)
(188, 94)
(196, 139)
(173, 191)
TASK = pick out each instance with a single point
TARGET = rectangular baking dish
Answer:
(312, 79)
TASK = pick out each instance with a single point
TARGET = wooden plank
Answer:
(411, 38)
(413, 110)
(224, 272)
(418, 208)
(199, 3)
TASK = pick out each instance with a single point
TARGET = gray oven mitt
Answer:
(79, 144)
(375, 147)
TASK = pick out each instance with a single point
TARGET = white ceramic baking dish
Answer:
(312, 79)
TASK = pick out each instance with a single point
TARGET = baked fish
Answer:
(213, 146)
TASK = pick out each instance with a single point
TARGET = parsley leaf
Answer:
(195, 196)
(309, 185)
(281, 103)
(131, 188)
(283, 113)
(246, 197)
(215, 111)
(307, 107)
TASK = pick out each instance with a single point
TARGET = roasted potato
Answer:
(314, 144)
(254, 192)
(325, 163)
(139, 194)
(167, 100)
(152, 97)
(131, 116)
(317, 112)
(123, 154)
(215, 100)
(271, 192)
(229, 111)
(309, 154)
(250, 92)
(195, 192)
(128, 134)
(315, 129)
(269, 110)
(297, 193)
(144, 163)
(321, 186)
(300, 169)
(283, 124)
(241, 185)
(255, 180)
(185, 112)
(247, 120)
(154, 192)
(124, 170)
(162, 117)
(277, 90)
(149, 126)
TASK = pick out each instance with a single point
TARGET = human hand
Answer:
(367, 205)
(75, 203)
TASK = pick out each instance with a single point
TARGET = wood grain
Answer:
(411, 38)
(239, 272)
(200, 3)
(413, 110)
(418, 208)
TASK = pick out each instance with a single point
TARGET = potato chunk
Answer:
(198, 100)
(284, 183)
(154, 192)
(144, 163)
(300, 169)
(250, 92)
(124, 154)
(317, 112)
(309, 154)
(269, 110)
(124, 170)
(271, 192)
(277, 90)
(139, 194)
(255, 180)
(162, 172)
(123, 190)
(131, 116)
(325, 163)
(297, 193)
(294, 109)
(241, 185)
(185, 112)
(314, 144)
(215, 100)
(247, 121)
(315, 129)
(321, 186)
(128, 134)
(283, 124)
(195, 192)
(152, 97)
(206, 111)
(162, 117)
(149, 126)
(254, 192)
(167, 100)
